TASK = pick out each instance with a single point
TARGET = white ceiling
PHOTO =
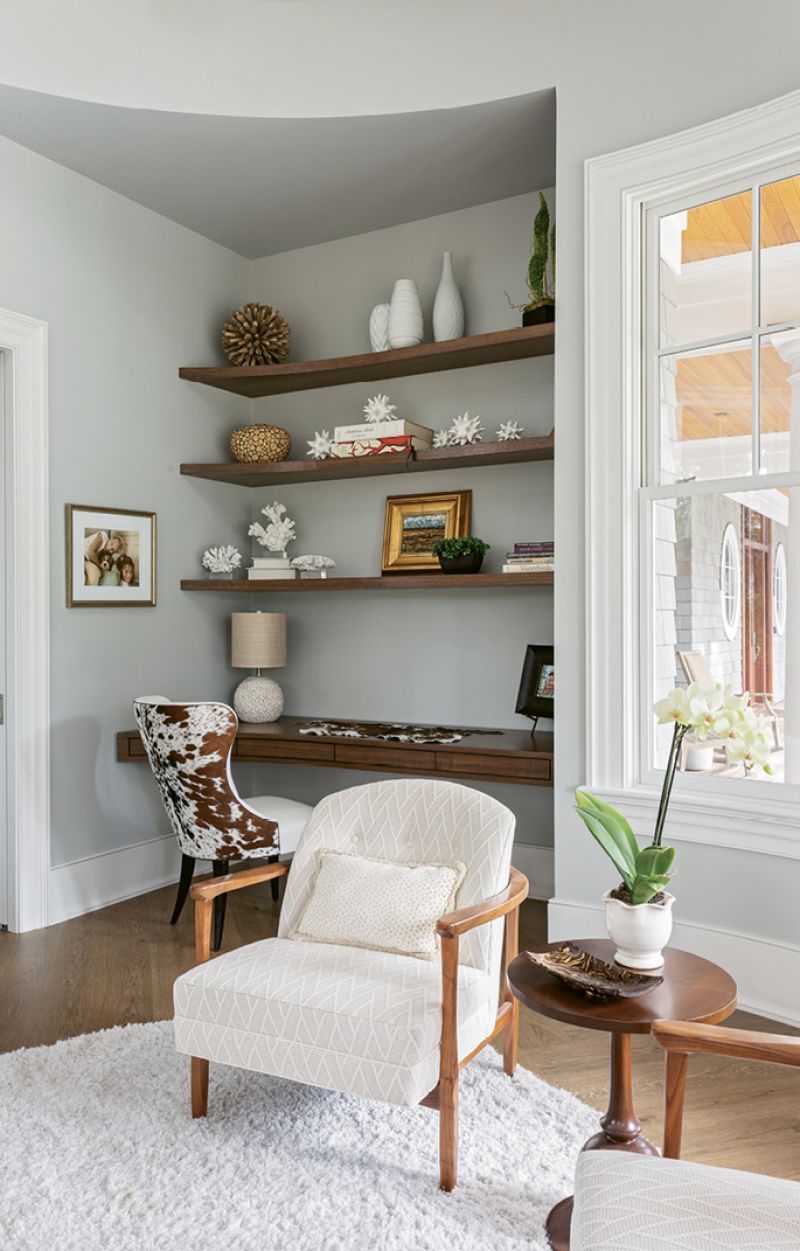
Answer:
(264, 185)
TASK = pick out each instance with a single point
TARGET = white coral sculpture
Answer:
(311, 564)
(379, 409)
(509, 430)
(321, 446)
(442, 438)
(278, 533)
(466, 429)
(221, 559)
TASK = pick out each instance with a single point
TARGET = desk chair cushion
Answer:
(292, 818)
(344, 1018)
(629, 1202)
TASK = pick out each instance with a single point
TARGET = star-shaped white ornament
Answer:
(321, 446)
(379, 409)
(466, 429)
(441, 438)
(509, 430)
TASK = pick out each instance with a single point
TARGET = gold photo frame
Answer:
(111, 557)
(413, 523)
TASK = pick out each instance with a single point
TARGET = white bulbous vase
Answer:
(379, 328)
(405, 315)
(448, 307)
(639, 931)
(258, 699)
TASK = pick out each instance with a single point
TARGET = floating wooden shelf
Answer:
(480, 349)
(288, 472)
(392, 582)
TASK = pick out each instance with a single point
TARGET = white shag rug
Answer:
(98, 1152)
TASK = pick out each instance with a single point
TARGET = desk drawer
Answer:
(385, 757)
(254, 748)
(532, 768)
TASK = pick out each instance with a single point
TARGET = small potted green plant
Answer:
(541, 275)
(460, 555)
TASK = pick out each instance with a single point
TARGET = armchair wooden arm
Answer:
(680, 1039)
(204, 894)
(464, 919)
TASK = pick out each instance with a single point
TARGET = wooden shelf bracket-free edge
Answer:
(255, 381)
(391, 582)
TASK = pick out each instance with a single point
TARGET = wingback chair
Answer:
(626, 1202)
(189, 749)
(374, 1023)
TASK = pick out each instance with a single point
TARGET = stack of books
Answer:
(270, 568)
(375, 438)
(531, 558)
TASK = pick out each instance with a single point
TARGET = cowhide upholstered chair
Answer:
(189, 748)
(375, 1023)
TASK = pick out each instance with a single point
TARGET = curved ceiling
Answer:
(265, 185)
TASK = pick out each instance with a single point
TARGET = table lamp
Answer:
(258, 641)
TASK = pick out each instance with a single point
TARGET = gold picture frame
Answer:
(111, 557)
(414, 522)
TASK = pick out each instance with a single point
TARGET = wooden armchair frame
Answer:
(681, 1039)
(444, 1096)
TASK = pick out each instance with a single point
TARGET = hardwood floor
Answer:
(117, 966)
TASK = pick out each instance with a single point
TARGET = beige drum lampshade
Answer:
(258, 640)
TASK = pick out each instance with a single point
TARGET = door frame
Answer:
(23, 342)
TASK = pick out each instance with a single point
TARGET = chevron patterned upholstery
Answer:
(352, 1019)
(629, 1202)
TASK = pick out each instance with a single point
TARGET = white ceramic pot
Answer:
(699, 759)
(405, 315)
(639, 931)
(379, 328)
(448, 307)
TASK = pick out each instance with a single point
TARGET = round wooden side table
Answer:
(693, 990)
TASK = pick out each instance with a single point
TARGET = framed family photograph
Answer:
(111, 557)
(537, 688)
(413, 523)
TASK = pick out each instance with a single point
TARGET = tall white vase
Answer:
(448, 307)
(379, 328)
(405, 315)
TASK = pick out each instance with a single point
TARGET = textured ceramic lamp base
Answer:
(258, 699)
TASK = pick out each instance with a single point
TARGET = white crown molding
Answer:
(23, 340)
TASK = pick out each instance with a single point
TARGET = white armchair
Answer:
(373, 1023)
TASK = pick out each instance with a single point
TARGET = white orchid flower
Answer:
(675, 707)
(750, 747)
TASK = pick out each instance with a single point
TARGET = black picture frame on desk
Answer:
(536, 695)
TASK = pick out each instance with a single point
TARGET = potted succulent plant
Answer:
(460, 555)
(639, 910)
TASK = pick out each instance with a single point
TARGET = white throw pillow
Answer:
(379, 904)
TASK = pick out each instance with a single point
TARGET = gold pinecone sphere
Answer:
(256, 334)
(260, 443)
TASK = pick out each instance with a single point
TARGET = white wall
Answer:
(453, 656)
(128, 296)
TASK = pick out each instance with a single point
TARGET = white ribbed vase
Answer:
(448, 307)
(405, 315)
(379, 328)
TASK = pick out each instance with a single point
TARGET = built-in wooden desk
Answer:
(499, 756)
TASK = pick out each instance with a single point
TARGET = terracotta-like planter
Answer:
(639, 931)
(470, 563)
(539, 316)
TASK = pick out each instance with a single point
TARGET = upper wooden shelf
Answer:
(288, 472)
(480, 349)
(391, 582)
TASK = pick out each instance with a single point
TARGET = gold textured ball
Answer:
(260, 443)
(256, 334)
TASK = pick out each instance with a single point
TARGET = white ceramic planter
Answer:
(379, 328)
(405, 315)
(699, 759)
(639, 931)
(448, 307)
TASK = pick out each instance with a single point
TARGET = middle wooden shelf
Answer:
(391, 582)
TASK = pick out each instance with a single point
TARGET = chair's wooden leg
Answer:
(275, 888)
(511, 1032)
(187, 873)
(199, 1087)
(448, 1068)
(219, 868)
(674, 1090)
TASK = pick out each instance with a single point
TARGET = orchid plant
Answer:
(714, 713)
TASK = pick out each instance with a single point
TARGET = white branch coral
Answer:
(279, 532)
(221, 559)
(379, 409)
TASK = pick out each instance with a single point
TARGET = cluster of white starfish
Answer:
(278, 533)
(379, 409)
(320, 446)
(509, 430)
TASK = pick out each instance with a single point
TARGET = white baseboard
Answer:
(767, 973)
(537, 863)
(96, 881)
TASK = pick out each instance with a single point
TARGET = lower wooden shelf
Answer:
(482, 755)
(391, 582)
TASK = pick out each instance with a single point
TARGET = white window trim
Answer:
(730, 625)
(619, 188)
(779, 567)
(23, 340)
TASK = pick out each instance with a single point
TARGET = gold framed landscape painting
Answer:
(413, 523)
(111, 557)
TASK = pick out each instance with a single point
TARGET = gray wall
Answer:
(444, 656)
(128, 296)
